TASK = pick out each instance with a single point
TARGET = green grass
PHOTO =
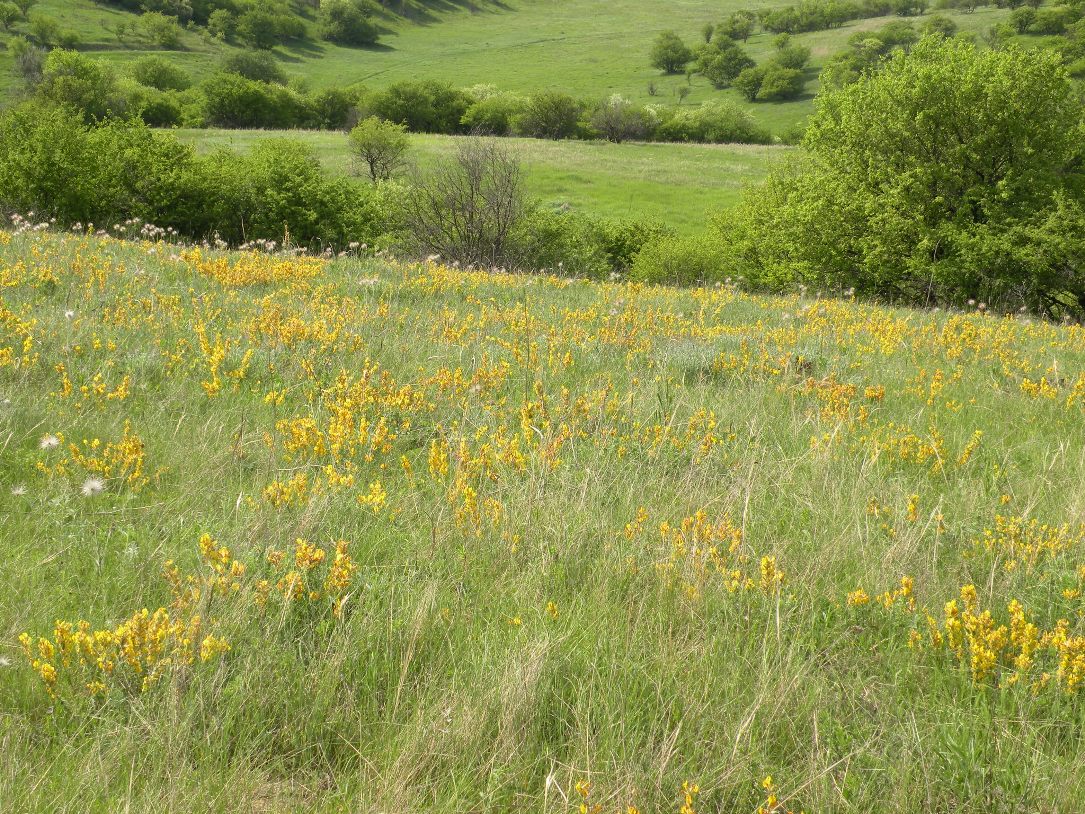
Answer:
(589, 48)
(679, 184)
(838, 438)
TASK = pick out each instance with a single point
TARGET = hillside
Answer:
(586, 47)
(415, 539)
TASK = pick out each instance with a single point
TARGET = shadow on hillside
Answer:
(307, 48)
(427, 12)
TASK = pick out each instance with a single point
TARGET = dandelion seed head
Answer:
(48, 442)
(92, 487)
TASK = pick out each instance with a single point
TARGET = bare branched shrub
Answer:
(467, 208)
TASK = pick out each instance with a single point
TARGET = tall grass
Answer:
(607, 538)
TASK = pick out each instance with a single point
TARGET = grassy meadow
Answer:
(415, 539)
(678, 184)
(586, 47)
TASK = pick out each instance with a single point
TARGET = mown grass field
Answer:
(586, 47)
(678, 184)
(597, 541)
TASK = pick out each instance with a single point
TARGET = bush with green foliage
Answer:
(712, 123)
(550, 114)
(866, 51)
(53, 163)
(939, 24)
(84, 84)
(222, 24)
(1022, 18)
(722, 60)
(231, 100)
(154, 107)
(424, 106)
(982, 200)
(380, 147)
(348, 22)
(9, 15)
(161, 74)
(617, 119)
(790, 54)
(679, 261)
(28, 59)
(779, 84)
(669, 53)
(1053, 20)
(259, 66)
(738, 26)
(266, 26)
(333, 109)
(162, 30)
(493, 114)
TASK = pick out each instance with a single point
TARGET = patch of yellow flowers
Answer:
(134, 656)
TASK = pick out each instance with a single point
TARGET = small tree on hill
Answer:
(381, 146)
(739, 26)
(669, 53)
(348, 22)
(9, 14)
(722, 61)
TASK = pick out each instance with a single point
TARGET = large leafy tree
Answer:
(669, 53)
(952, 173)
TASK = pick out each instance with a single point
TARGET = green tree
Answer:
(222, 24)
(739, 26)
(69, 78)
(748, 83)
(44, 30)
(617, 120)
(381, 146)
(494, 114)
(260, 66)
(9, 14)
(550, 114)
(260, 28)
(939, 24)
(160, 73)
(348, 22)
(780, 83)
(161, 30)
(722, 61)
(981, 199)
(669, 53)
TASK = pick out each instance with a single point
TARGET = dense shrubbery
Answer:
(348, 22)
(982, 200)
(53, 163)
(866, 51)
(713, 122)
(781, 78)
(423, 107)
(259, 23)
(680, 261)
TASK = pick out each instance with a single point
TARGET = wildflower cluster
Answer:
(1008, 652)
(137, 654)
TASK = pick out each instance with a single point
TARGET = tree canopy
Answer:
(952, 173)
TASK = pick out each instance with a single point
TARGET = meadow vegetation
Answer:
(410, 463)
(360, 535)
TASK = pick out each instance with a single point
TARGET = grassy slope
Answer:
(448, 686)
(588, 47)
(678, 184)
